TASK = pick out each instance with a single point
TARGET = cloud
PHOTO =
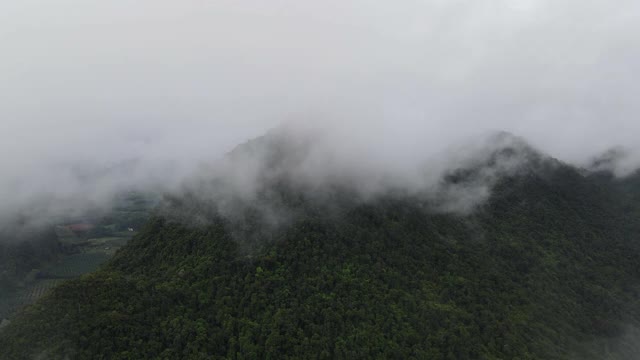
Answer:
(102, 96)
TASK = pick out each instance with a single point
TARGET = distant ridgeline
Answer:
(547, 268)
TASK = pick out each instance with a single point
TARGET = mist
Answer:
(103, 97)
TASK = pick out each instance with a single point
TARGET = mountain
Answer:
(545, 267)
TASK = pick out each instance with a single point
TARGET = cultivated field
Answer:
(74, 265)
(12, 301)
(68, 267)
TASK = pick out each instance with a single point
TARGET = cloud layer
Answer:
(96, 97)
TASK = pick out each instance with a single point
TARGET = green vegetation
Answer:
(547, 269)
(33, 258)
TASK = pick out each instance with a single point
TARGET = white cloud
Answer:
(88, 84)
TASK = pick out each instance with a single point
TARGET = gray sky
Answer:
(90, 84)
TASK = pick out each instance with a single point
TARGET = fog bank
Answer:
(100, 97)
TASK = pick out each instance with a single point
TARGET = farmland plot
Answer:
(74, 265)
(11, 302)
(69, 267)
(37, 290)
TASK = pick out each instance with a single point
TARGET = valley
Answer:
(75, 248)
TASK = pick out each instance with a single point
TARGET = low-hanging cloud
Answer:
(99, 97)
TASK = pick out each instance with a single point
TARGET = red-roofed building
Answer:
(80, 228)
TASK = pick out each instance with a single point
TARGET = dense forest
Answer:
(546, 268)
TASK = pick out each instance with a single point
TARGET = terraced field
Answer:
(37, 290)
(14, 300)
(74, 265)
(68, 267)
(95, 252)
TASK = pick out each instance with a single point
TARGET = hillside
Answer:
(546, 268)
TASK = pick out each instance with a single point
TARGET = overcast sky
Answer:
(88, 84)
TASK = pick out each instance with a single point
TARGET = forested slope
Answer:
(547, 268)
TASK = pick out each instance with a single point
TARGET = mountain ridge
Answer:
(543, 269)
